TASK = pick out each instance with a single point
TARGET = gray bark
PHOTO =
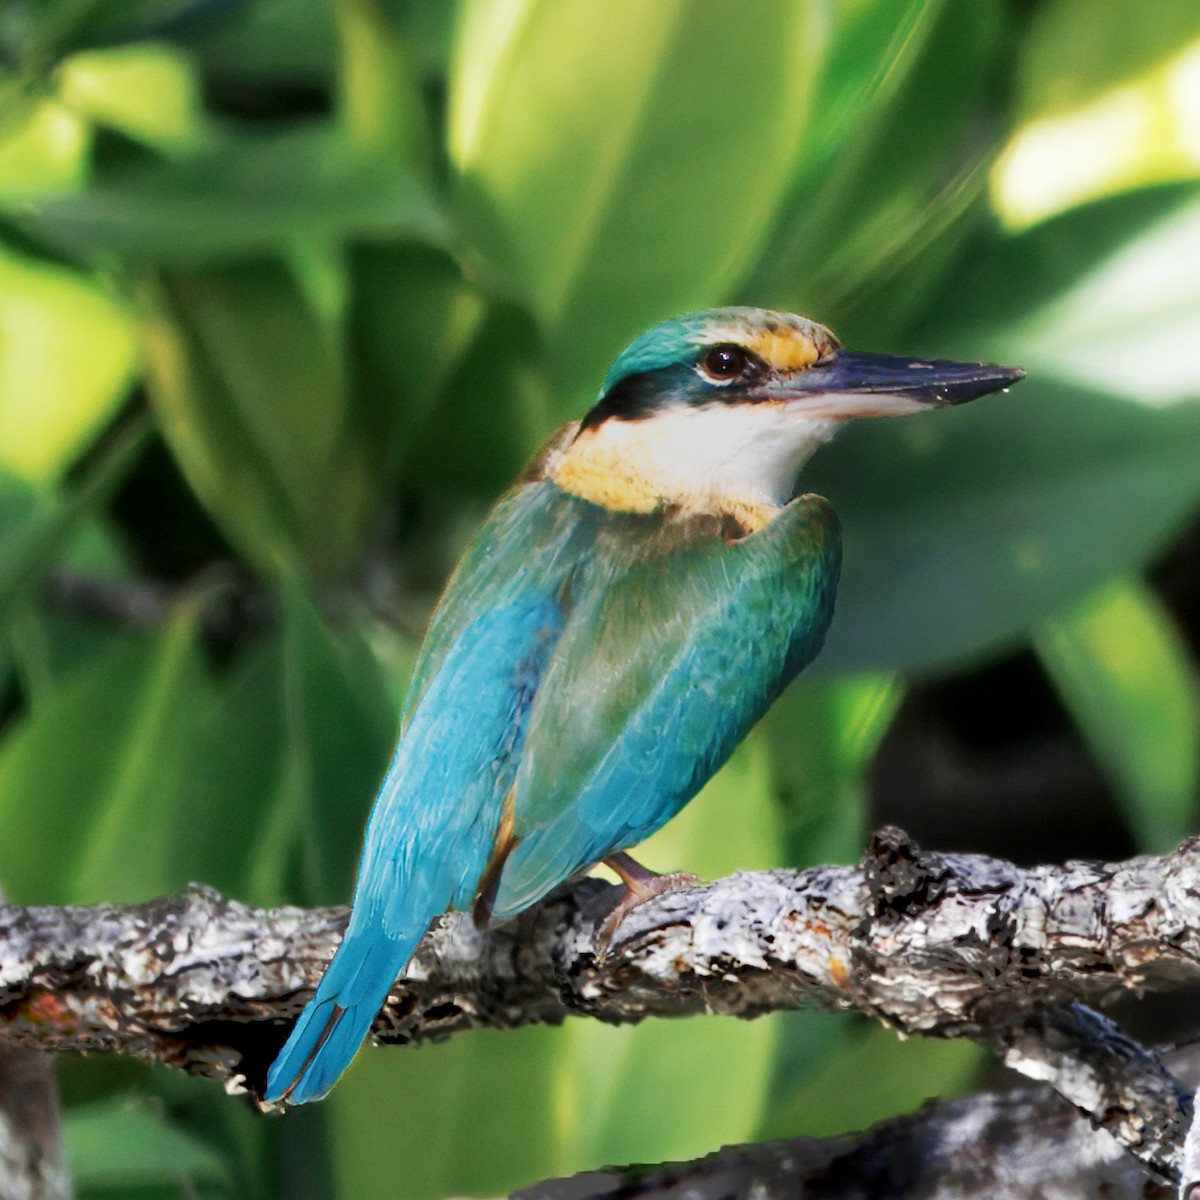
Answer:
(1024, 1145)
(944, 945)
(32, 1166)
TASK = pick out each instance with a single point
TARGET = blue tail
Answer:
(335, 1021)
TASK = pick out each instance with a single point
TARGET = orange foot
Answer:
(641, 884)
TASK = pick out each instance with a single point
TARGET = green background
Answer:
(290, 291)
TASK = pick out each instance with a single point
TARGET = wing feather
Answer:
(490, 641)
(662, 668)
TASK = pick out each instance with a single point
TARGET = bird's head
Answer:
(716, 411)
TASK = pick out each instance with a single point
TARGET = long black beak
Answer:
(847, 384)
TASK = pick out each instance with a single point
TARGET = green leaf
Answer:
(583, 135)
(41, 527)
(147, 92)
(1103, 106)
(873, 51)
(489, 420)
(89, 776)
(879, 207)
(341, 731)
(823, 736)
(252, 194)
(248, 374)
(20, 504)
(875, 1076)
(44, 147)
(232, 780)
(284, 764)
(1069, 59)
(413, 317)
(125, 1143)
(272, 42)
(474, 1116)
(67, 343)
(1127, 677)
(1061, 296)
(963, 528)
(43, 30)
(126, 854)
(381, 104)
(611, 1080)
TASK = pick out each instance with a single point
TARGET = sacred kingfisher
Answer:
(624, 616)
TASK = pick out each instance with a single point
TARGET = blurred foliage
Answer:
(289, 291)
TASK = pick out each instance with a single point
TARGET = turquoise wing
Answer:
(663, 666)
(490, 641)
(435, 819)
(533, 542)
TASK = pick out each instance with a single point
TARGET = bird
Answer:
(623, 617)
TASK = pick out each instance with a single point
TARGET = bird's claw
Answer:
(635, 895)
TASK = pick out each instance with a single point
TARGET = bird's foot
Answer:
(641, 884)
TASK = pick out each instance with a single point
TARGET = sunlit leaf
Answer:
(67, 357)
(1105, 105)
(1128, 679)
(381, 102)
(1074, 287)
(147, 92)
(582, 135)
(1068, 59)
(1133, 290)
(43, 149)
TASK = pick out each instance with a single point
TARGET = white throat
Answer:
(706, 458)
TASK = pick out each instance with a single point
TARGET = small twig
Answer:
(32, 1163)
(235, 610)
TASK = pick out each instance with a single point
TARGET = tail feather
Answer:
(336, 1020)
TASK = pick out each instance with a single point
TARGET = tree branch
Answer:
(1012, 1146)
(949, 945)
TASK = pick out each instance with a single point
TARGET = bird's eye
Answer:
(724, 363)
